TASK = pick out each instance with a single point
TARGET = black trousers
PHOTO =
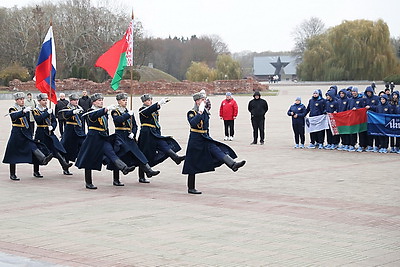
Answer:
(229, 126)
(32, 127)
(345, 139)
(362, 139)
(317, 137)
(384, 141)
(395, 142)
(330, 138)
(371, 139)
(298, 130)
(258, 126)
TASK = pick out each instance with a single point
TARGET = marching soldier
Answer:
(204, 154)
(96, 144)
(21, 148)
(74, 133)
(154, 146)
(46, 124)
(125, 139)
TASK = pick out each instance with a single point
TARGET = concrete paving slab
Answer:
(286, 207)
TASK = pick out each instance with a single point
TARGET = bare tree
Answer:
(304, 31)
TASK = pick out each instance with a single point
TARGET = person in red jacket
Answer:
(228, 112)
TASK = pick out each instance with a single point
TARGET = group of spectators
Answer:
(387, 102)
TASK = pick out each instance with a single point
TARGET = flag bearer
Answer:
(46, 125)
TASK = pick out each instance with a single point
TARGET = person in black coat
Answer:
(97, 148)
(74, 133)
(61, 104)
(46, 125)
(124, 144)
(154, 146)
(204, 154)
(257, 108)
(86, 103)
(21, 148)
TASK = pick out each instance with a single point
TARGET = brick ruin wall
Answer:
(161, 87)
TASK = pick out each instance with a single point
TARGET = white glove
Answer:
(202, 106)
(50, 110)
(130, 112)
(111, 107)
(77, 111)
(50, 128)
(27, 109)
(163, 101)
(131, 136)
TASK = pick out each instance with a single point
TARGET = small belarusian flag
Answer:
(348, 122)
(118, 57)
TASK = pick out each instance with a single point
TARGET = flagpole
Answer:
(132, 68)
(51, 65)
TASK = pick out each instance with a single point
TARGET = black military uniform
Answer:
(154, 146)
(96, 148)
(124, 141)
(74, 133)
(21, 148)
(46, 124)
(204, 154)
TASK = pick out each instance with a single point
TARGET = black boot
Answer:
(88, 179)
(177, 159)
(41, 157)
(149, 171)
(233, 164)
(142, 179)
(64, 163)
(122, 166)
(13, 176)
(36, 172)
(191, 185)
(116, 181)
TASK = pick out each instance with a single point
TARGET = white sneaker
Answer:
(226, 138)
(230, 138)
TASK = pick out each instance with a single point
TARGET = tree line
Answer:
(82, 32)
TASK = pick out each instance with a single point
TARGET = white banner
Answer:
(316, 123)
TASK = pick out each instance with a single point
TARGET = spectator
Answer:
(85, 102)
(257, 108)
(228, 112)
(61, 104)
(29, 102)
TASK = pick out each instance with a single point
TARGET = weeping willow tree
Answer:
(353, 50)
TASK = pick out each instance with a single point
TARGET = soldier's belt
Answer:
(97, 129)
(123, 128)
(150, 125)
(72, 123)
(42, 126)
(18, 125)
(198, 131)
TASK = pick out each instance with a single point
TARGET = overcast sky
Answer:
(255, 25)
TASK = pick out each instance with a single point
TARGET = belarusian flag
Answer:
(118, 57)
(348, 122)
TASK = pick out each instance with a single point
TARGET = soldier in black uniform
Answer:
(74, 133)
(125, 140)
(204, 154)
(46, 125)
(96, 146)
(154, 146)
(21, 148)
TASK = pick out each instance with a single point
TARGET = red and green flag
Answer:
(348, 122)
(118, 57)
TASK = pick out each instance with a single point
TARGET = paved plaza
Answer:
(285, 207)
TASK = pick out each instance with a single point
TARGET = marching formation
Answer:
(121, 151)
(351, 100)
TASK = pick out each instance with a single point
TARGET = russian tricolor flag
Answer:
(46, 67)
